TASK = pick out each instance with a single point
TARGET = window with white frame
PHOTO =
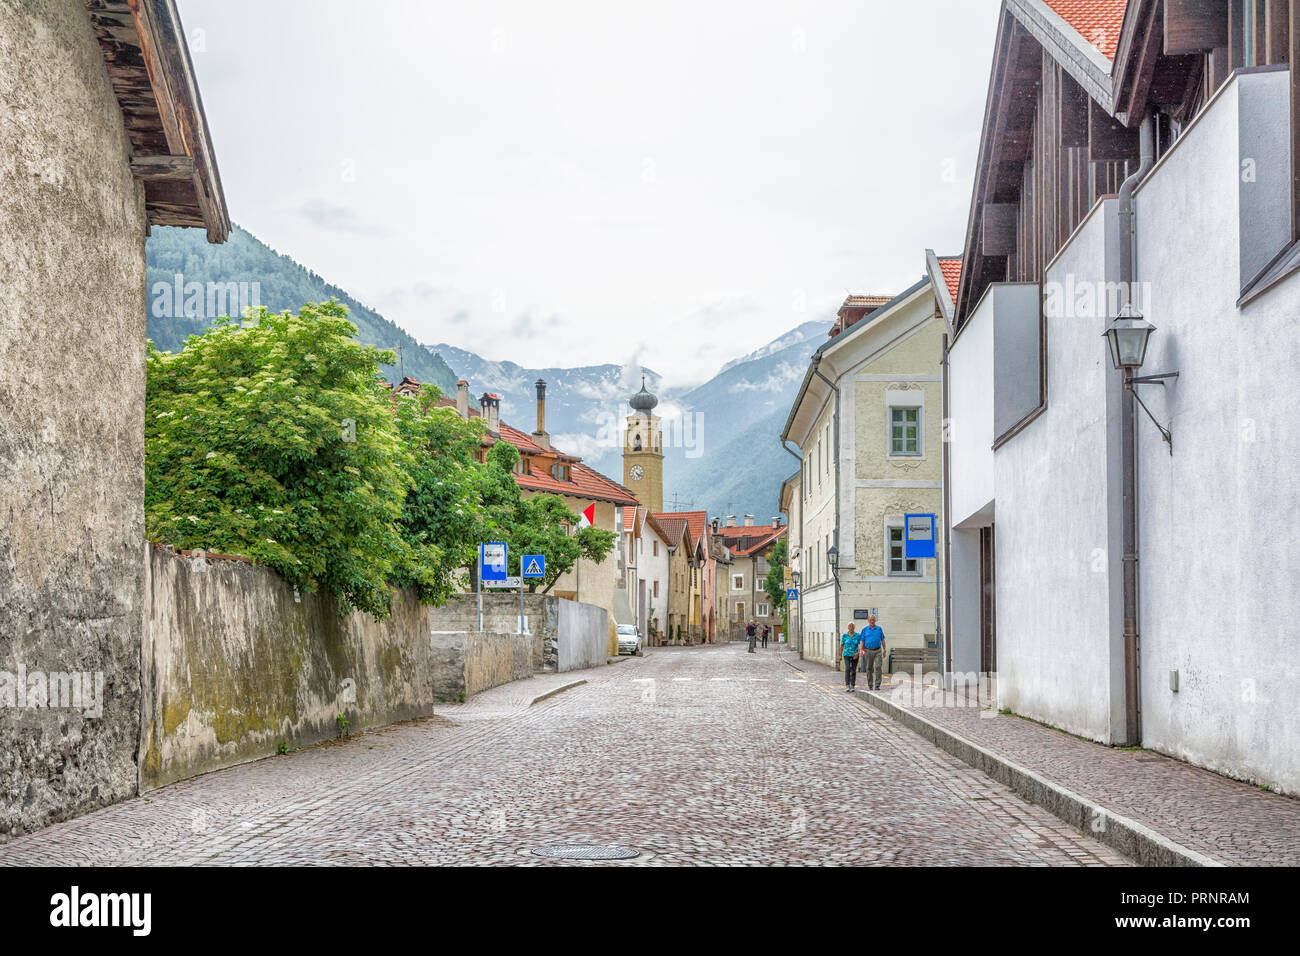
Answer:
(905, 430)
(737, 582)
(760, 610)
(896, 563)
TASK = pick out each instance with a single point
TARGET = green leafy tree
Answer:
(443, 515)
(538, 524)
(272, 439)
(774, 583)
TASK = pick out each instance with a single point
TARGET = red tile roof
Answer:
(672, 525)
(951, 274)
(744, 540)
(1097, 21)
(695, 521)
(584, 482)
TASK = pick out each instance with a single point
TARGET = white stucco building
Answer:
(1036, 460)
(867, 423)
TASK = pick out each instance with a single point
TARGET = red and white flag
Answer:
(588, 517)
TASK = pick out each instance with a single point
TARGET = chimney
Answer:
(749, 521)
(462, 398)
(776, 521)
(540, 435)
(731, 521)
(490, 407)
(715, 525)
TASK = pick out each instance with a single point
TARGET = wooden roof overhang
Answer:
(1169, 55)
(149, 68)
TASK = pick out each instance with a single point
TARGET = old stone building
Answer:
(102, 134)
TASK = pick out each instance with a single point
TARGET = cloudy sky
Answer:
(568, 183)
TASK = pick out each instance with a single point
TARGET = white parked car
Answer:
(629, 639)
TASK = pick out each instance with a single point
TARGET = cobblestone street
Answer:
(704, 755)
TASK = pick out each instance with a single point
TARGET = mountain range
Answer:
(722, 437)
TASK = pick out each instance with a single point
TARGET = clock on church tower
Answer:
(643, 451)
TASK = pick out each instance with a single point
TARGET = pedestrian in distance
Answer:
(766, 631)
(750, 632)
(873, 651)
(850, 650)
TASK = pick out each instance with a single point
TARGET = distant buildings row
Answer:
(1117, 503)
(680, 577)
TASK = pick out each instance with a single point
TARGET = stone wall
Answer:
(71, 407)
(234, 664)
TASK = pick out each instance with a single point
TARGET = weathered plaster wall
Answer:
(467, 662)
(233, 664)
(582, 635)
(71, 414)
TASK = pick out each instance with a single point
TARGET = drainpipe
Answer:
(1128, 451)
(816, 369)
(947, 524)
(798, 645)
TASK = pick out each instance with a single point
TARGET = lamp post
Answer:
(1127, 337)
(833, 560)
(796, 579)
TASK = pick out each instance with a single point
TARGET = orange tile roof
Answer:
(867, 301)
(749, 546)
(951, 274)
(1097, 21)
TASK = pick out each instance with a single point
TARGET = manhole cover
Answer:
(585, 852)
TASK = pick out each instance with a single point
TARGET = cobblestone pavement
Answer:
(700, 755)
(1232, 822)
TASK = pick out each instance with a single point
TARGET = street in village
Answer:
(688, 755)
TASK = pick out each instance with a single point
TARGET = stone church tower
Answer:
(643, 451)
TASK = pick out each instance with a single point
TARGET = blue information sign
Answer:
(533, 565)
(792, 594)
(918, 536)
(493, 560)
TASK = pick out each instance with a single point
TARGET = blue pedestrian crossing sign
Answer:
(918, 536)
(533, 565)
(792, 594)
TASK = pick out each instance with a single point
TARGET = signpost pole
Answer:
(479, 582)
(521, 603)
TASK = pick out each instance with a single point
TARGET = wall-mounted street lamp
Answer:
(1127, 337)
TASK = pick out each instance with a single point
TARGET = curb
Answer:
(1135, 840)
(558, 690)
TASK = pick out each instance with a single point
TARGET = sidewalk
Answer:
(1155, 808)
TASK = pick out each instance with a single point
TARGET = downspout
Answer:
(947, 523)
(1128, 450)
(816, 370)
(799, 458)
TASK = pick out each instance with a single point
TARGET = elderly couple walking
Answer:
(867, 649)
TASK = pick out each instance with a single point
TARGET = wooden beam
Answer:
(1194, 26)
(998, 228)
(163, 167)
(1109, 140)
(1294, 58)
(1074, 112)
(1277, 25)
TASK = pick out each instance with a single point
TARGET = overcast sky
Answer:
(563, 183)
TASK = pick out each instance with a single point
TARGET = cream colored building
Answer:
(867, 423)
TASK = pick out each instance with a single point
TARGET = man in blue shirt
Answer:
(850, 648)
(873, 652)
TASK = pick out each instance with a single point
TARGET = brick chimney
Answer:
(490, 407)
(540, 436)
(462, 398)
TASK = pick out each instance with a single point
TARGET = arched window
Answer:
(636, 443)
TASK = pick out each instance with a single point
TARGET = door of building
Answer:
(988, 603)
